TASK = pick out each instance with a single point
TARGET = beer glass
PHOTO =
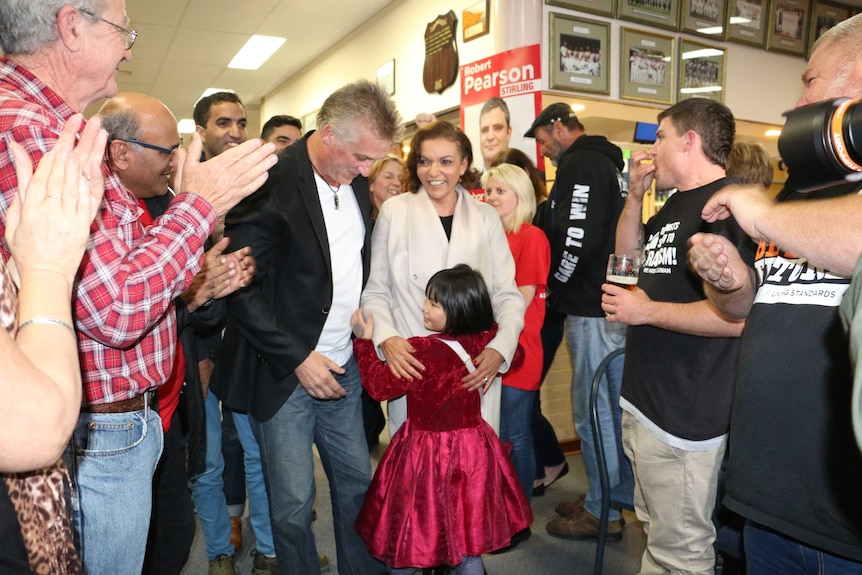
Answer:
(623, 271)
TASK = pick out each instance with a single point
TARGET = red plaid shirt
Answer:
(129, 277)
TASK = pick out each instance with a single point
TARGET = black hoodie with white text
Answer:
(580, 220)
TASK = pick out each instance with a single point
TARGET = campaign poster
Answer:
(516, 77)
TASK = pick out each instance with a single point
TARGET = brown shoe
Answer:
(571, 508)
(236, 533)
(584, 527)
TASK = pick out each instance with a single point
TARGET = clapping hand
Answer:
(48, 222)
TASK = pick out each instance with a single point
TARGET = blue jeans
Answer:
(516, 410)
(112, 458)
(234, 464)
(258, 501)
(208, 487)
(590, 339)
(335, 426)
(768, 552)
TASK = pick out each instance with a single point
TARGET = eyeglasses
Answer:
(129, 36)
(165, 151)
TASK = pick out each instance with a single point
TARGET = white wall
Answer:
(760, 85)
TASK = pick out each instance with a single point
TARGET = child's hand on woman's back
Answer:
(362, 328)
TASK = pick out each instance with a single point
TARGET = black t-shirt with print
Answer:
(794, 465)
(682, 383)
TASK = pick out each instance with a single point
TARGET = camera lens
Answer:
(822, 143)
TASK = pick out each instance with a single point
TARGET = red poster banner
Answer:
(516, 77)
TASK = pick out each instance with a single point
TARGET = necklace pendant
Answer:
(336, 203)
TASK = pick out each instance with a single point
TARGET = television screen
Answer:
(645, 132)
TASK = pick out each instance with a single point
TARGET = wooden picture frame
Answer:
(474, 20)
(579, 54)
(823, 17)
(600, 7)
(658, 13)
(788, 26)
(702, 71)
(706, 18)
(646, 66)
(747, 21)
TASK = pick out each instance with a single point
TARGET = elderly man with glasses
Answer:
(59, 58)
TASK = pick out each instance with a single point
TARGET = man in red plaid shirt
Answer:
(59, 58)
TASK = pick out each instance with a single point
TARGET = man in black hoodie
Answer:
(580, 221)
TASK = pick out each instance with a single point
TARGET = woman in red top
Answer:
(508, 190)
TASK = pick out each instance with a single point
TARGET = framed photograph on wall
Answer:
(746, 21)
(704, 17)
(659, 13)
(788, 26)
(601, 7)
(646, 66)
(702, 71)
(579, 54)
(474, 20)
(823, 17)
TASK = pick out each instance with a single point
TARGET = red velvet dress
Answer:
(445, 488)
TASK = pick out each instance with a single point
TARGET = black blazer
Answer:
(276, 322)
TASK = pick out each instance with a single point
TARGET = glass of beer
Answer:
(623, 271)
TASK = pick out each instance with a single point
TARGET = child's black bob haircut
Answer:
(463, 295)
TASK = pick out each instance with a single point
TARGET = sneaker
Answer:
(584, 527)
(222, 565)
(263, 565)
(571, 508)
(236, 533)
(324, 562)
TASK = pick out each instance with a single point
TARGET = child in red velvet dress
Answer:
(445, 491)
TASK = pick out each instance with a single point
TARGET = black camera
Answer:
(822, 144)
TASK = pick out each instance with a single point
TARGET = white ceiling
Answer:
(184, 46)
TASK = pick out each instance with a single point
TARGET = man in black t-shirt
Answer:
(678, 377)
(794, 470)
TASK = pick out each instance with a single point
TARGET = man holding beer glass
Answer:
(680, 352)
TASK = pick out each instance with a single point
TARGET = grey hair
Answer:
(120, 123)
(28, 25)
(847, 34)
(358, 105)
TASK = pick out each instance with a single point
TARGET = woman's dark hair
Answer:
(445, 131)
(463, 295)
(518, 158)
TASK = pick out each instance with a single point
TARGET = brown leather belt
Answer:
(134, 404)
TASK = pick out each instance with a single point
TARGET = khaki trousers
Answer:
(674, 497)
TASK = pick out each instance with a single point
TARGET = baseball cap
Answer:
(553, 113)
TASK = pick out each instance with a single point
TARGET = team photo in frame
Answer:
(823, 17)
(702, 71)
(579, 54)
(704, 18)
(646, 66)
(659, 13)
(600, 7)
(746, 21)
(788, 26)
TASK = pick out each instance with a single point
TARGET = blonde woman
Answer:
(508, 190)
(385, 180)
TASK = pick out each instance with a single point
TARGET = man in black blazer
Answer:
(287, 352)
